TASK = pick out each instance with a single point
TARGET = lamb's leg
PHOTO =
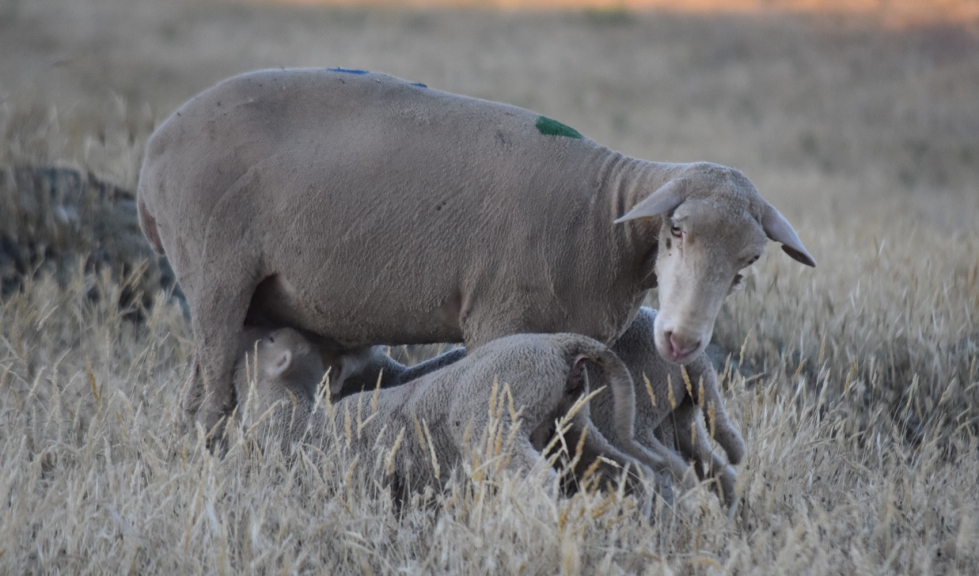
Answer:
(653, 453)
(608, 460)
(526, 460)
(612, 461)
(693, 442)
(663, 459)
(713, 406)
(218, 315)
(430, 365)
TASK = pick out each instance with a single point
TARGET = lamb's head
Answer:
(286, 358)
(712, 224)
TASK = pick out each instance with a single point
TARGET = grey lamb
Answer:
(545, 378)
(676, 416)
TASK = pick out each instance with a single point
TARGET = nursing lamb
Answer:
(278, 372)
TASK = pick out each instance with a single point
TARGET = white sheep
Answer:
(448, 407)
(363, 209)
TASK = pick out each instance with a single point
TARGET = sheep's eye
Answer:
(752, 261)
(676, 231)
(271, 340)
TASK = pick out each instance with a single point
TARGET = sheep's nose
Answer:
(680, 346)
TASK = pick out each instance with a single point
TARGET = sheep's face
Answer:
(713, 223)
(702, 250)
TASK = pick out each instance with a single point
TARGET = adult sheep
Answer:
(363, 209)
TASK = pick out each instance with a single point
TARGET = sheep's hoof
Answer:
(213, 422)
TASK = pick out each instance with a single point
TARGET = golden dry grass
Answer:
(862, 427)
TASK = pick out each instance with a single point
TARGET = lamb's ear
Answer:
(280, 364)
(578, 377)
(664, 199)
(778, 229)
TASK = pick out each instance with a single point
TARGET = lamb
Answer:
(677, 414)
(361, 209)
(287, 369)
(546, 377)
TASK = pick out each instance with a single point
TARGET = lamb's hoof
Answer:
(733, 508)
(727, 478)
(735, 448)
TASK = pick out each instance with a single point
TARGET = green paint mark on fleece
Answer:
(550, 127)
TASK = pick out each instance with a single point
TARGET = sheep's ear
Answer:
(663, 200)
(778, 229)
(281, 364)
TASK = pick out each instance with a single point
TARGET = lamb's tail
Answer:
(657, 457)
(147, 223)
(620, 381)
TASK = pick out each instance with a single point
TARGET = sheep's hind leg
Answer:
(218, 320)
(193, 391)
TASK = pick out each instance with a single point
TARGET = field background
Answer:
(862, 414)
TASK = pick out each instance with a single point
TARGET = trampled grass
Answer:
(862, 417)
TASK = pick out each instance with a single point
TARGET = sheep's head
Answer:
(286, 357)
(713, 224)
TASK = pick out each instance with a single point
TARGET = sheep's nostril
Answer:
(679, 347)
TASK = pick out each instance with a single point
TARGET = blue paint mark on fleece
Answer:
(347, 70)
(419, 84)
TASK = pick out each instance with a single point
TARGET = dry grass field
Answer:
(862, 416)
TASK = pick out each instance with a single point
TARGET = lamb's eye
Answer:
(271, 340)
(752, 261)
(676, 231)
